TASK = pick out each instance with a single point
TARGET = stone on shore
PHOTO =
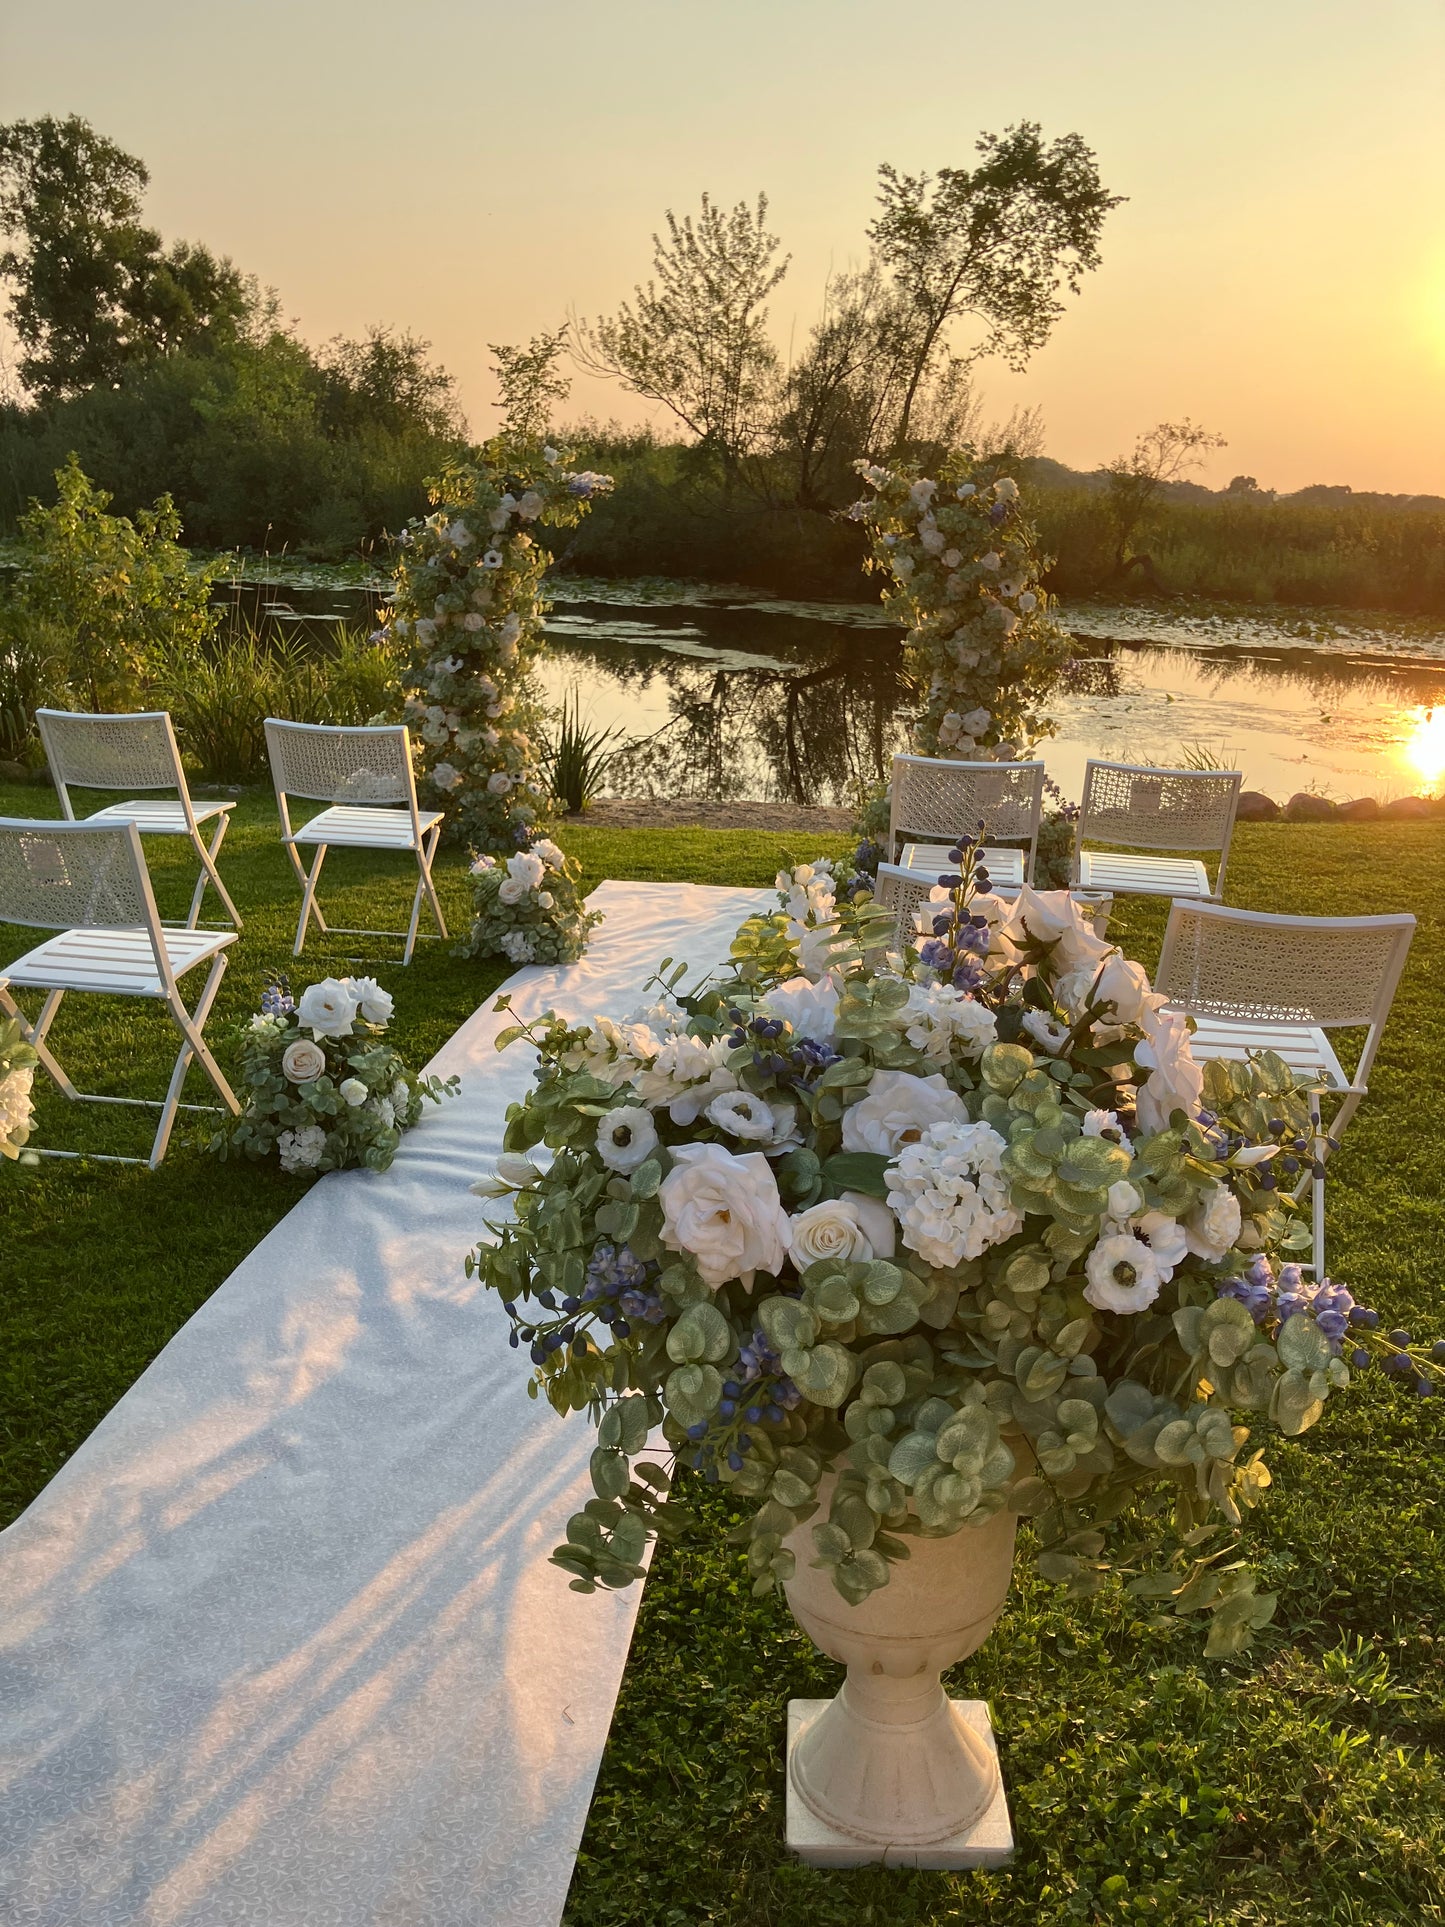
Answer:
(1363, 809)
(1303, 807)
(1256, 807)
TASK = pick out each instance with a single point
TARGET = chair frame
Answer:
(1370, 1014)
(190, 1022)
(1143, 840)
(54, 724)
(423, 844)
(906, 825)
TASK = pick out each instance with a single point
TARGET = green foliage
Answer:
(529, 909)
(575, 755)
(34, 673)
(122, 593)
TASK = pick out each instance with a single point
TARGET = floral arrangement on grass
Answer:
(325, 1091)
(963, 566)
(968, 1226)
(529, 909)
(468, 599)
(17, 1075)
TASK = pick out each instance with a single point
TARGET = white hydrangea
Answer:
(518, 946)
(302, 1150)
(16, 1109)
(949, 1193)
(936, 1015)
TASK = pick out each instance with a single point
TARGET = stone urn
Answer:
(892, 1769)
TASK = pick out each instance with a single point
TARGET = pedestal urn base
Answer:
(892, 1769)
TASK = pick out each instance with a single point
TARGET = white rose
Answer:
(897, 1109)
(1175, 1081)
(498, 783)
(527, 868)
(327, 1009)
(725, 1211)
(849, 1230)
(1124, 1200)
(302, 1060)
(976, 721)
(1123, 1274)
(811, 1008)
(374, 1003)
(815, 954)
(511, 890)
(545, 848)
(529, 505)
(626, 1138)
(1214, 1225)
(447, 776)
(546, 899)
(354, 1091)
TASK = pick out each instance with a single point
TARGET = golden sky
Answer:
(469, 170)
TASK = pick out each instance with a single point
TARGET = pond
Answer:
(729, 693)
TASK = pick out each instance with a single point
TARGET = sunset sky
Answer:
(468, 171)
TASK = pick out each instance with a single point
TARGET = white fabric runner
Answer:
(280, 1645)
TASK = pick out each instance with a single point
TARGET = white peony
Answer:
(848, 1230)
(374, 1003)
(499, 782)
(527, 867)
(949, 1193)
(354, 1091)
(1214, 1224)
(1123, 1274)
(327, 1009)
(1175, 1081)
(725, 1211)
(511, 890)
(626, 1138)
(897, 1109)
(811, 1008)
(302, 1150)
(545, 848)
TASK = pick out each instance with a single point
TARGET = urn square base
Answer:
(988, 1843)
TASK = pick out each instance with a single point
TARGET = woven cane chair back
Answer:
(111, 752)
(1248, 967)
(1158, 809)
(934, 801)
(63, 876)
(358, 765)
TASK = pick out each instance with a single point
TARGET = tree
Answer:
(386, 381)
(1162, 454)
(997, 243)
(529, 384)
(92, 289)
(695, 338)
(122, 593)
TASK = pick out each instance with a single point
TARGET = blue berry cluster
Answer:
(800, 1063)
(276, 998)
(1267, 1295)
(759, 1394)
(1225, 1139)
(618, 1293)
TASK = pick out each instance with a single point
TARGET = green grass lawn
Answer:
(1303, 1787)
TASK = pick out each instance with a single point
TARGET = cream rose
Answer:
(725, 1212)
(897, 1109)
(511, 890)
(1213, 1227)
(327, 1009)
(847, 1230)
(1175, 1081)
(302, 1060)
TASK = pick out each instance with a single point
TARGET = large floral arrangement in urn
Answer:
(904, 1246)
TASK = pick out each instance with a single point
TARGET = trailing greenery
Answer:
(1145, 1786)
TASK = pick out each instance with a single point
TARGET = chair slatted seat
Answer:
(364, 775)
(1253, 982)
(89, 883)
(1154, 810)
(121, 752)
(1005, 866)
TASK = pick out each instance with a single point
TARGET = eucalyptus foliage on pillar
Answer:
(469, 597)
(963, 566)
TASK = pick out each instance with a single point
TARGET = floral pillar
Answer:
(469, 595)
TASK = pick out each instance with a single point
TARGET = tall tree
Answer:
(92, 290)
(695, 338)
(528, 382)
(1134, 483)
(997, 243)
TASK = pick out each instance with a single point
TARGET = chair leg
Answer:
(35, 1034)
(1317, 1188)
(431, 849)
(309, 905)
(191, 1025)
(210, 874)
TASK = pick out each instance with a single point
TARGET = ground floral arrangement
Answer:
(969, 1224)
(468, 598)
(529, 908)
(17, 1075)
(962, 567)
(324, 1090)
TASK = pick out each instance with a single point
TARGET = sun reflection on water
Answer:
(1424, 747)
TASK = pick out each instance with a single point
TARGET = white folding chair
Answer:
(359, 771)
(1154, 809)
(90, 883)
(136, 752)
(934, 802)
(1256, 982)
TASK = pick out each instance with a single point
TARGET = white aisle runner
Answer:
(280, 1645)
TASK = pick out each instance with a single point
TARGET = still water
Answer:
(729, 693)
